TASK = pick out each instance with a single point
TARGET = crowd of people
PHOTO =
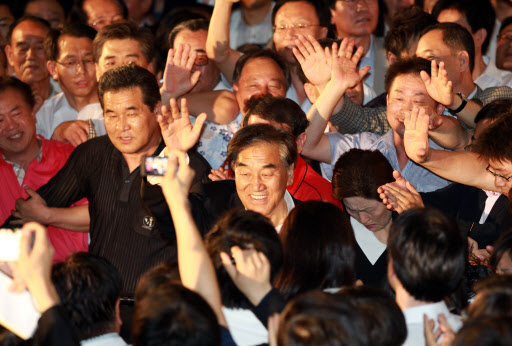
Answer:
(338, 172)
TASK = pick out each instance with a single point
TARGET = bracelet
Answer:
(462, 105)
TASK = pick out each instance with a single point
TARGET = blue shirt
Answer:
(421, 178)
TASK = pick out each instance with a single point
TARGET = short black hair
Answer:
(51, 41)
(496, 143)
(321, 11)
(22, 87)
(456, 37)
(506, 22)
(478, 13)
(428, 253)
(263, 133)
(494, 297)
(192, 25)
(494, 110)
(127, 77)
(242, 228)
(485, 331)
(264, 54)
(30, 18)
(89, 287)
(410, 65)
(279, 110)
(174, 315)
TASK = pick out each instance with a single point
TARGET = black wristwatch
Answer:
(462, 105)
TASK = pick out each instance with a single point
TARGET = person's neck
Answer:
(134, 160)
(41, 88)
(383, 234)
(23, 159)
(254, 16)
(364, 41)
(480, 66)
(405, 300)
(279, 214)
(79, 102)
(466, 85)
(299, 87)
(400, 150)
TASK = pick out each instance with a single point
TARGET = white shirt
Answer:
(493, 77)
(110, 339)
(414, 321)
(245, 328)
(367, 241)
(289, 205)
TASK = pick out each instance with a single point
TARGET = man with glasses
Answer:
(71, 63)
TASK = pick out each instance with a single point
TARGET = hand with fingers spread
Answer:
(444, 330)
(250, 273)
(313, 60)
(74, 132)
(416, 141)
(344, 72)
(178, 78)
(439, 87)
(177, 130)
(32, 209)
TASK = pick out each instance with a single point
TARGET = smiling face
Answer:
(294, 13)
(130, 124)
(504, 49)
(260, 76)
(407, 91)
(355, 19)
(371, 213)
(119, 52)
(17, 125)
(26, 53)
(210, 74)
(261, 179)
(77, 80)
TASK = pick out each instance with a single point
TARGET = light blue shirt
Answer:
(422, 179)
(369, 60)
(240, 33)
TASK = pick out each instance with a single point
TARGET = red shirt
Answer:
(54, 156)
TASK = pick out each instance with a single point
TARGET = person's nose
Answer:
(257, 183)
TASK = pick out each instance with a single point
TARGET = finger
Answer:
(343, 46)
(334, 51)
(31, 192)
(185, 55)
(226, 262)
(170, 57)
(41, 241)
(198, 126)
(433, 68)
(82, 135)
(175, 111)
(358, 54)
(195, 78)
(489, 249)
(300, 46)
(306, 41)
(177, 55)
(184, 108)
(348, 50)
(363, 71)
(316, 45)
(191, 60)
(425, 78)
(298, 55)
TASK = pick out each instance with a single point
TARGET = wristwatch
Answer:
(462, 105)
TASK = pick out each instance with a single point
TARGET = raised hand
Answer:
(416, 142)
(400, 199)
(344, 72)
(178, 78)
(177, 130)
(439, 87)
(178, 177)
(312, 59)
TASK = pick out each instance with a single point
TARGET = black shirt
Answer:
(124, 229)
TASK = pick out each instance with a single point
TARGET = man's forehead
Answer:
(263, 67)
(256, 119)
(263, 152)
(122, 46)
(29, 29)
(501, 165)
(403, 82)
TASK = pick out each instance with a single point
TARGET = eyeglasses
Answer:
(496, 175)
(299, 26)
(507, 37)
(201, 59)
(73, 64)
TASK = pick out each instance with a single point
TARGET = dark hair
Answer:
(506, 22)
(494, 297)
(428, 253)
(318, 318)
(386, 322)
(319, 259)
(192, 25)
(456, 37)
(359, 173)
(156, 276)
(242, 228)
(34, 19)
(485, 331)
(495, 143)
(88, 287)
(279, 110)
(18, 85)
(407, 26)
(478, 13)
(51, 41)
(78, 15)
(263, 133)
(410, 65)
(121, 31)
(174, 315)
(264, 54)
(502, 247)
(127, 77)
(494, 110)
(321, 11)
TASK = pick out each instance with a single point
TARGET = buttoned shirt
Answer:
(493, 77)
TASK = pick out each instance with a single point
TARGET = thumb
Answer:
(228, 265)
(31, 192)
(195, 78)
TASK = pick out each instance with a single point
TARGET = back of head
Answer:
(89, 288)
(174, 315)
(485, 331)
(318, 318)
(407, 28)
(408, 65)
(457, 38)
(479, 14)
(319, 249)
(496, 143)
(385, 321)
(494, 110)
(359, 173)
(16, 84)
(245, 229)
(494, 297)
(428, 253)
(129, 77)
(261, 54)
(51, 41)
(279, 110)
(156, 276)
